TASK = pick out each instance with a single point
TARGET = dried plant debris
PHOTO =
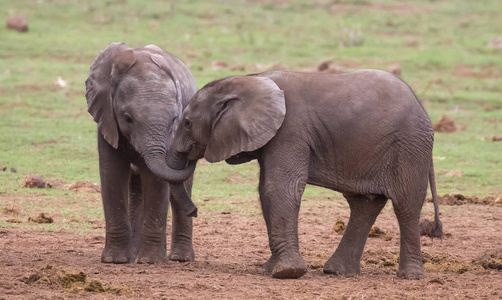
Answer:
(59, 278)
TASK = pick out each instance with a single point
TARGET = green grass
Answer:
(441, 47)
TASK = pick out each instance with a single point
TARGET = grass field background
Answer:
(442, 49)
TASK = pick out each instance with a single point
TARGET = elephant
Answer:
(136, 97)
(363, 134)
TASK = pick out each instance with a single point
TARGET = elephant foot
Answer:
(285, 266)
(181, 253)
(151, 255)
(412, 271)
(115, 255)
(345, 267)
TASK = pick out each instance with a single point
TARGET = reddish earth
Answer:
(232, 246)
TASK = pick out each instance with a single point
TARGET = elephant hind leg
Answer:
(407, 210)
(364, 210)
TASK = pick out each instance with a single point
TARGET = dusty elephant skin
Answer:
(364, 134)
(136, 97)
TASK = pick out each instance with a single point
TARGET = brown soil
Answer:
(484, 72)
(231, 248)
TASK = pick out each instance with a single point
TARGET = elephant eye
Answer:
(187, 124)
(128, 118)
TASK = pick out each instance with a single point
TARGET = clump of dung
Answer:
(376, 232)
(446, 263)
(18, 23)
(33, 181)
(446, 124)
(339, 227)
(41, 219)
(379, 258)
(490, 260)
(58, 278)
(329, 67)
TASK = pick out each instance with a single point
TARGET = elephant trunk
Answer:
(157, 164)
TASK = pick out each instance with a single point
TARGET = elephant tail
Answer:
(437, 226)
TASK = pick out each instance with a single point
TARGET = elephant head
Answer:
(136, 97)
(229, 118)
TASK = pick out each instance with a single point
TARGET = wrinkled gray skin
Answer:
(363, 134)
(137, 96)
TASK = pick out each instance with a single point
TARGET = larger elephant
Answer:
(136, 96)
(364, 134)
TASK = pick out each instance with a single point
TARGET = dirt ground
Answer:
(231, 248)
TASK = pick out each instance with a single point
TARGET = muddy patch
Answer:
(58, 278)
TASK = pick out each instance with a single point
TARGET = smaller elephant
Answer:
(136, 97)
(364, 134)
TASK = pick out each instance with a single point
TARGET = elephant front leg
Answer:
(280, 196)
(181, 237)
(152, 245)
(136, 206)
(363, 213)
(114, 173)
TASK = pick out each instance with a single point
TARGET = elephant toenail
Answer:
(144, 260)
(175, 256)
(108, 259)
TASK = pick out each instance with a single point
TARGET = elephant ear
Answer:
(98, 89)
(248, 117)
